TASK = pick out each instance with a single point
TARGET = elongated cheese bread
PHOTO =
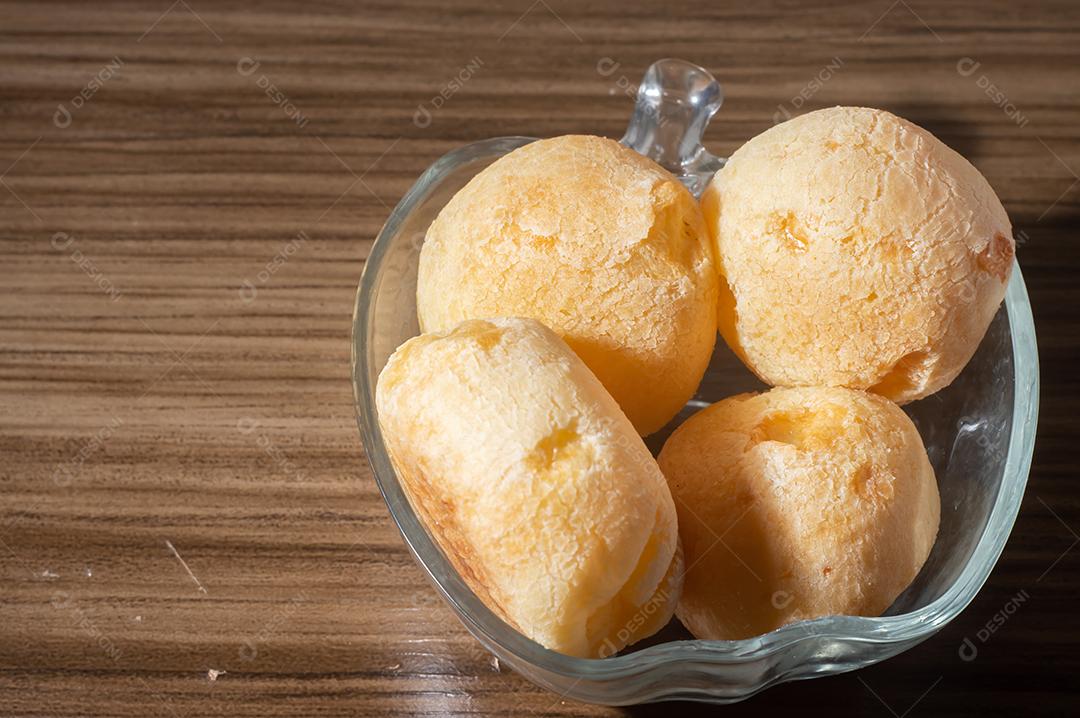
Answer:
(534, 483)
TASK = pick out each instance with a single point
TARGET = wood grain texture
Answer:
(149, 403)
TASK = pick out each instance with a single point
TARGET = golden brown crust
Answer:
(439, 514)
(598, 243)
(858, 251)
(533, 482)
(795, 504)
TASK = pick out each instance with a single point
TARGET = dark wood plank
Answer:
(146, 405)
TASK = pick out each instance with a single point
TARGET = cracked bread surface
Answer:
(795, 504)
(534, 483)
(856, 249)
(598, 243)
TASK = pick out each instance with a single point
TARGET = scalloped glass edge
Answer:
(632, 678)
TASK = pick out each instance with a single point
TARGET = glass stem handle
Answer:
(674, 104)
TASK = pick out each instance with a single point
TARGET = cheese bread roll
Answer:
(856, 249)
(597, 242)
(795, 504)
(534, 483)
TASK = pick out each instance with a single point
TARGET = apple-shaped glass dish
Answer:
(979, 433)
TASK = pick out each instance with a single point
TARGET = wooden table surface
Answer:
(188, 193)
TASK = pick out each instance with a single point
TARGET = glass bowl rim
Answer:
(908, 627)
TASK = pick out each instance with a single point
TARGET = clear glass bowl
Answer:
(979, 433)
